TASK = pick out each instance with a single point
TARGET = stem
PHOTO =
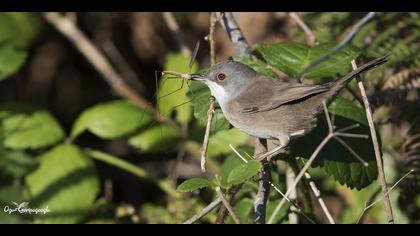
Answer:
(174, 28)
(235, 34)
(340, 45)
(68, 28)
(135, 170)
(203, 151)
(204, 212)
(227, 205)
(381, 172)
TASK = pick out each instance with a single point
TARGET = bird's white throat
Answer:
(218, 92)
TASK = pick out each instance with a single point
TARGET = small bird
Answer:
(269, 108)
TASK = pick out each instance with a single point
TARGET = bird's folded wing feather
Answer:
(270, 94)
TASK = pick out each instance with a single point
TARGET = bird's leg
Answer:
(284, 141)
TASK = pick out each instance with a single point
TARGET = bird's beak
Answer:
(198, 77)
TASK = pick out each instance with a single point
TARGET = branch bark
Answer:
(260, 202)
(235, 34)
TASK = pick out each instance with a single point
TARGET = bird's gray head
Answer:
(227, 79)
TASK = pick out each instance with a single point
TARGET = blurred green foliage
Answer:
(48, 166)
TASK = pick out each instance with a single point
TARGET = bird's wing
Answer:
(270, 94)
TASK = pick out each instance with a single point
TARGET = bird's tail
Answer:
(340, 83)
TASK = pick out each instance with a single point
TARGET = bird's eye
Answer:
(221, 76)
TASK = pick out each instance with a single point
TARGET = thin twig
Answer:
(210, 112)
(308, 32)
(331, 134)
(122, 65)
(243, 48)
(174, 28)
(340, 45)
(235, 34)
(213, 21)
(101, 64)
(290, 177)
(381, 173)
(380, 198)
(299, 209)
(221, 214)
(350, 149)
(318, 196)
(203, 151)
(227, 205)
(204, 211)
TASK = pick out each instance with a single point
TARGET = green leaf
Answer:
(172, 93)
(243, 172)
(155, 139)
(282, 215)
(20, 28)
(112, 120)
(243, 210)
(292, 58)
(200, 96)
(219, 142)
(66, 182)
(25, 126)
(8, 195)
(347, 109)
(259, 66)
(335, 159)
(11, 60)
(231, 162)
(17, 163)
(193, 184)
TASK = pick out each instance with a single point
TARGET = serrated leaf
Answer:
(292, 58)
(155, 139)
(11, 59)
(193, 184)
(335, 159)
(112, 120)
(172, 93)
(243, 172)
(259, 66)
(66, 182)
(200, 97)
(219, 142)
(25, 126)
(20, 28)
